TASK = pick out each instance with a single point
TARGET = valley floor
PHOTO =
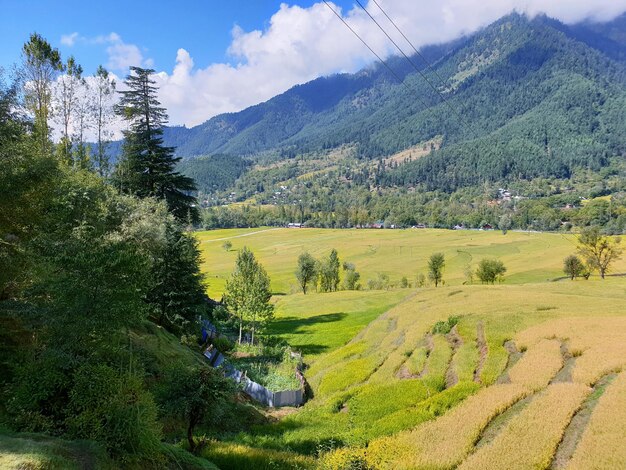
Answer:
(524, 374)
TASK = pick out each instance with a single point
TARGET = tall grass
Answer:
(530, 438)
(602, 444)
(444, 442)
(539, 364)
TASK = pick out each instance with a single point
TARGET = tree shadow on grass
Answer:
(300, 326)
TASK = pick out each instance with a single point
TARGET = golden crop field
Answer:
(501, 389)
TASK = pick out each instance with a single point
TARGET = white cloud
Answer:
(69, 39)
(121, 54)
(300, 44)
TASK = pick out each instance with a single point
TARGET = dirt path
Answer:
(242, 235)
(514, 356)
(430, 345)
(455, 341)
(483, 350)
(565, 374)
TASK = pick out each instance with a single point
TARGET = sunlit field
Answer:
(392, 391)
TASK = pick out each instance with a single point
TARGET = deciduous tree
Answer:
(599, 251)
(573, 267)
(307, 271)
(248, 292)
(490, 270)
(103, 91)
(436, 265)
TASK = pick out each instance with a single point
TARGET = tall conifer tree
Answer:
(147, 167)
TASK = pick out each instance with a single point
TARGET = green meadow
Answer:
(529, 257)
(385, 380)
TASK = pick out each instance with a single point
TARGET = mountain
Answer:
(521, 98)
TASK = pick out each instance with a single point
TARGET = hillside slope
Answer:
(524, 98)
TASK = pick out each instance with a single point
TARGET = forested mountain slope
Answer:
(523, 98)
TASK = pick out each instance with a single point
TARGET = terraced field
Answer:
(529, 376)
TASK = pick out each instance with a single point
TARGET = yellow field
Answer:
(391, 392)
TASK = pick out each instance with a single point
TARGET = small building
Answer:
(294, 225)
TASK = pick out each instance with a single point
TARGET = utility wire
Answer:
(417, 69)
(377, 56)
(417, 52)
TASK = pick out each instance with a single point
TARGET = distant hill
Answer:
(536, 98)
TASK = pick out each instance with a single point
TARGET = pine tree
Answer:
(41, 66)
(147, 167)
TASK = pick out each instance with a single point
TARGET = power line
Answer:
(377, 56)
(417, 52)
(458, 115)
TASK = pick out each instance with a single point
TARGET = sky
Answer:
(216, 56)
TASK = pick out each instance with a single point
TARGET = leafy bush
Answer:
(490, 270)
(223, 344)
(444, 327)
(116, 410)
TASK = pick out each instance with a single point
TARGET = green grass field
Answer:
(529, 257)
(384, 382)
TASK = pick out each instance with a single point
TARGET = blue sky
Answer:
(217, 56)
(158, 28)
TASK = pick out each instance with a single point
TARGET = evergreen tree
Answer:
(147, 167)
(40, 68)
(177, 295)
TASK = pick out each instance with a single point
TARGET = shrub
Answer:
(444, 327)
(573, 267)
(114, 409)
(223, 344)
(490, 270)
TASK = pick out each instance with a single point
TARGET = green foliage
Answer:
(147, 167)
(115, 409)
(215, 172)
(328, 272)
(40, 68)
(248, 293)
(350, 277)
(599, 251)
(197, 394)
(176, 296)
(307, 271)
(223, 344)
(573, 267)
(444, 327)
(381, 282)
(490, 270)
(436, 264)
(227, 245)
